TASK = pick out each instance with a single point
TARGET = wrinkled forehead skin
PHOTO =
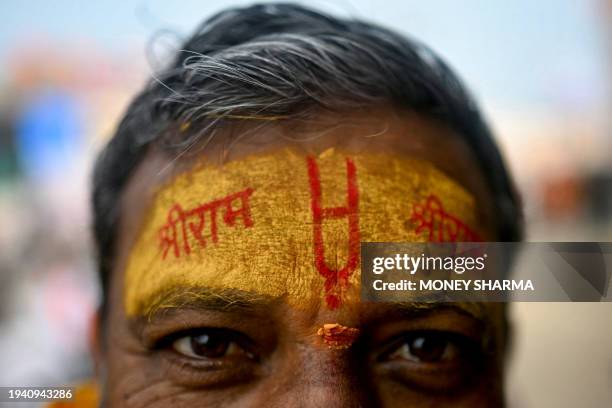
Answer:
(288, 224)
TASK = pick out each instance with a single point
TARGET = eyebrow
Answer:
(473, 309)
(198, 297)
(240, 301)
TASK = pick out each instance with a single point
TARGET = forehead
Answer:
(381, 130)
(366, 138)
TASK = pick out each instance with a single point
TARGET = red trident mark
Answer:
(336, 280)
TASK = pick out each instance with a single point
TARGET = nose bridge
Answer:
(319, 367)
(324, 378)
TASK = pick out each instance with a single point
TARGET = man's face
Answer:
(236, 281)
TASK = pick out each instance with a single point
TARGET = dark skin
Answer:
(266, 353)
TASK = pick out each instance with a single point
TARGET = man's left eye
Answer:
(427, 348)
(211, 344)
(432, 360)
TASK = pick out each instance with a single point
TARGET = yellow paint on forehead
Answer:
(286, 224)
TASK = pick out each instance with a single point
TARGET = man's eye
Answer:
(426, 348)
(208, 357)
(432, 360)
(212, 344)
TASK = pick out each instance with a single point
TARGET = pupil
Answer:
(209, 346)
(428, 349)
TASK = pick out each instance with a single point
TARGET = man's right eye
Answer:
(211, 344)
(203, 357)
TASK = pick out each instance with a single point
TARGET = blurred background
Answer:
(542, 71)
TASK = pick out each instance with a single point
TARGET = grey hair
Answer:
(292, 75)
(284, 61)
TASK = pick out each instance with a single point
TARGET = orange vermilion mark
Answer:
(338, 336)
(194, 220)
(441, 226)
(336, 280)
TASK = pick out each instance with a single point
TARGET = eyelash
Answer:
(467, 345)
(227, 333)
(464, 343)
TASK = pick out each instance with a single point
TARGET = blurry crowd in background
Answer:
(542, 72)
